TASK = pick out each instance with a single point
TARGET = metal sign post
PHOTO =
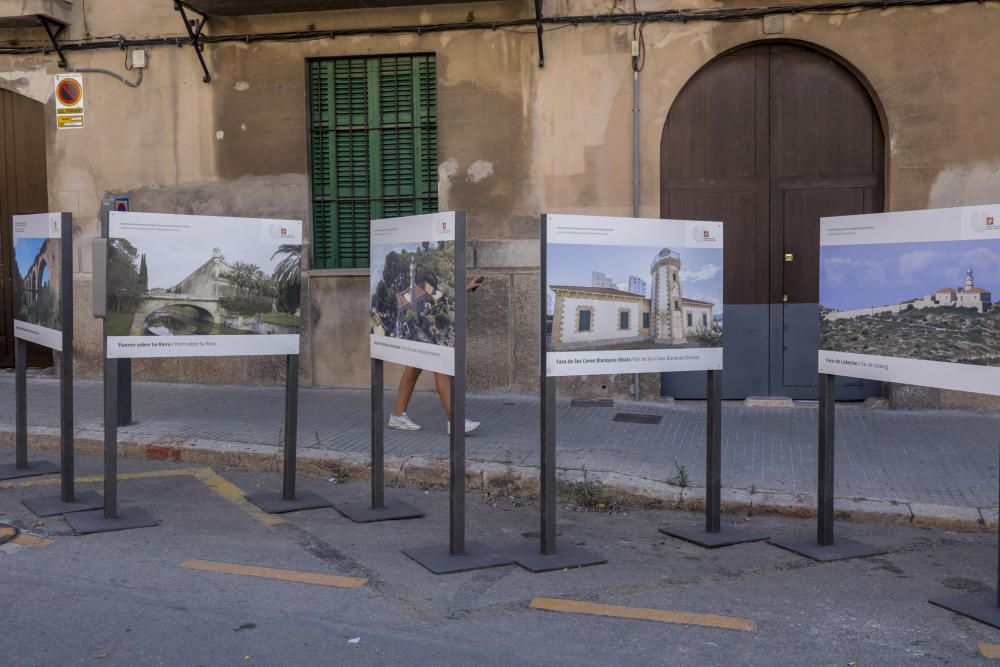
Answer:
(68, 500)
(458, 555)
(715, 533)
(22, 467)
(112, 517)
(826, 548)
(549, 556)
(379, 509)
(288, 500)
(983, 606)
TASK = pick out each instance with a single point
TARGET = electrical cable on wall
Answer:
(114, 75)
(635, 18)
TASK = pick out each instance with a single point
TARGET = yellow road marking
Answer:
(233, 494)
(223, 487)
(31, 541)
(990, 651)
(296, 576)
(7, 532)
(645, 614)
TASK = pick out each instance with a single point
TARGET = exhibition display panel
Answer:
(197, 286)
(418, 318)
(899, 303)
(43, 314)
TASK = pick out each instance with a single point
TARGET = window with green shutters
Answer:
(373, 142)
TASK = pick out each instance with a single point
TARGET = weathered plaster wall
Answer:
(514, 141)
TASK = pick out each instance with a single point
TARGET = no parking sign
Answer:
(69, 101)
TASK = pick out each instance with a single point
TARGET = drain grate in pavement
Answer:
(592, 403)
(636, 418)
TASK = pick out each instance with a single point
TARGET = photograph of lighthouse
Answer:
(619, 293)
(202, 286)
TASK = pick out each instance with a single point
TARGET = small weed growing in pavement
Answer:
(592, 495)
(753, 489)
(681, 479)
(506, 487)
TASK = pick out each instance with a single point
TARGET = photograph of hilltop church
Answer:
(226, 284)
(633, 297)
(930, 301)
(413, 292)
(37, 263)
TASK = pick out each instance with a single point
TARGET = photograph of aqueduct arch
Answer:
(37, 295)
(169, 288)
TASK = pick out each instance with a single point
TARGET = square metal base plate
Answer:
(394, 510)
(34, 469)
(477, 556)
(54, 505)
(273, 503)
(726, 537)
(84, 523)
(980, 607)
(841, 549)
(566, 557)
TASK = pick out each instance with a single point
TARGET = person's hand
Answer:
(475, 283)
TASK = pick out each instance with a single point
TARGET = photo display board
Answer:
(907, 297)
(198, 286)
(632, 295)
(414, 280)
(39, 268)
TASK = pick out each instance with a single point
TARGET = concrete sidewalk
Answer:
(942, 463)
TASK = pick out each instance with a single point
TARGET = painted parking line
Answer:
(31, 541)
(221, 486)
(314, 578)
(991, 651)
(7, 533)
(645, 614)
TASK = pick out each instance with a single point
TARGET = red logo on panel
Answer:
(989, 221)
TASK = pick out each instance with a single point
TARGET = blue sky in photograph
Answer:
(882, 274)
(572, 264)
(27, 251)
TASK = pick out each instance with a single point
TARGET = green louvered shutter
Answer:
(374, 149)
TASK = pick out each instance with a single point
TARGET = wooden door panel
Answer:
(740, 231)
(802, 210)
(822, 118)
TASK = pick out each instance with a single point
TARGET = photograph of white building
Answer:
(603, 315)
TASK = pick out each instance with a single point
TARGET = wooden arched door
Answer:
(23, 189)
(768, 139)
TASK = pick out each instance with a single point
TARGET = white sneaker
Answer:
(403, 423)
(470, 426)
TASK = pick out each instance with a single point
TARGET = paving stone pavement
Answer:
(942, 457)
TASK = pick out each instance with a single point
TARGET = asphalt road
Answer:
(123, 599)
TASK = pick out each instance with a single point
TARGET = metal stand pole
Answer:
(456, 479)
(826, 547)
(68, 500)
(715, 533)
(291, 426)
(378, 435)
(549, 556)
(983, 606)
(22, 466)
(379, 509)
(289, 500)
(713, 454)
(21, 404)
(548, 467)
(110, 438)
(458, 555)
(124, 392)
(827, 443)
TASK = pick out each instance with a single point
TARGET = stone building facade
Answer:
(513, 139)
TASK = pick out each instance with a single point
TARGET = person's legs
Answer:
(442, 383)
(406, 385)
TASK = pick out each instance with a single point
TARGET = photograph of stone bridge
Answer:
(218, 296)
(37, 263)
